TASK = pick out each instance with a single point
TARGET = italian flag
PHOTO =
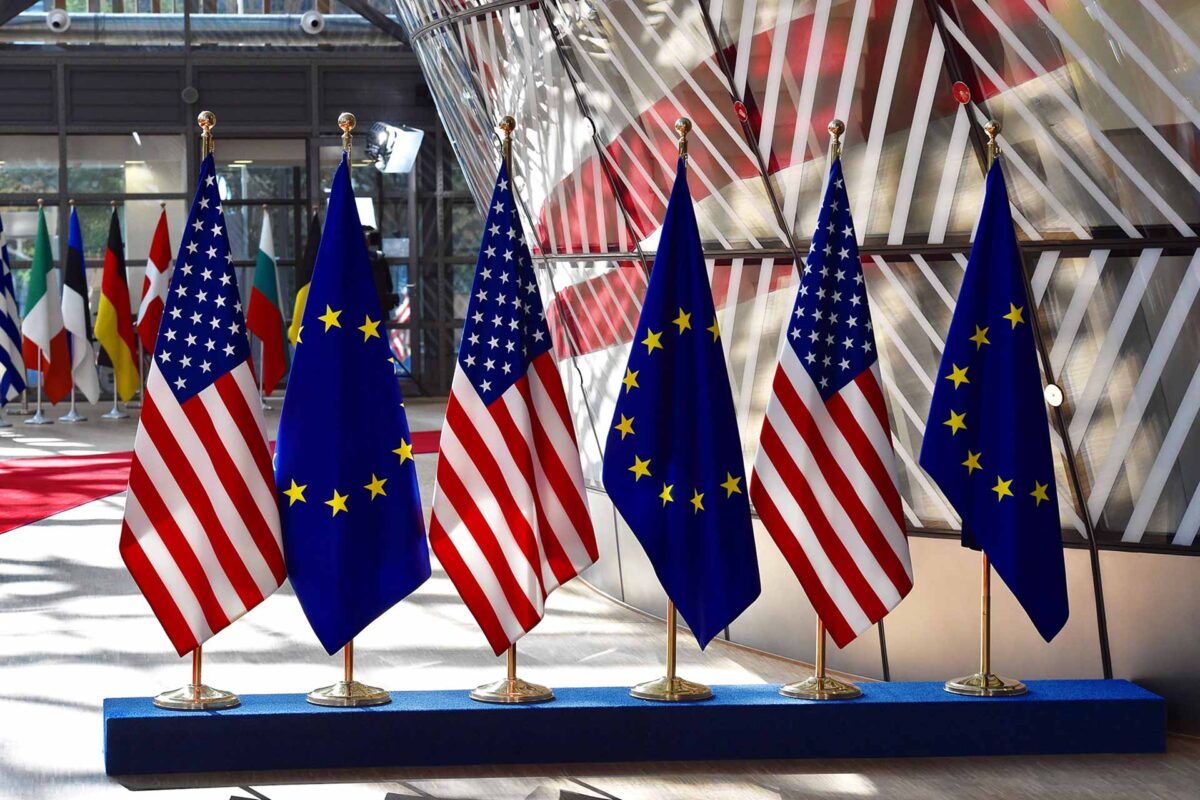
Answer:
(42, 331)
(263, 318)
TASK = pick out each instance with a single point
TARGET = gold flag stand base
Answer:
(512, 690)
(196, 696)
(985, 685)
(349, 694)
(671, 690)
(821, 688)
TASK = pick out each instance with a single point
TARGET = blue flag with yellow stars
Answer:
(353, 531)
(987, 440)
(673, 462)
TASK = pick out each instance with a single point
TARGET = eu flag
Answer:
(353, 531)
(987, 441)
(673, 462)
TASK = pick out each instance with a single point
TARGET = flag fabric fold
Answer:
(354, 532)
(824, 480)
(154, 285)
(77, 316)
(673, 462)
(44, 339)
(201, 529)
(304, 271)
(987, 441)
(114, 320)
(510, 517)
(12, 362)
(263, 314)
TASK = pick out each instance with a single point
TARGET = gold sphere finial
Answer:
(507, 124)
(992, 129)
(206, 120)
(70, 202)
(112, 203)
(836, 127)
(41, 202)
(347, 121)
(683, 126)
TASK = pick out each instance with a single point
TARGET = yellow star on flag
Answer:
(714, 330)
(404, 451)
(330, 318)
(299, 331)
(684, 321)
(697, 501)
(625, 426)
(375, 487)
(370, 328)
(630, 380)
(980, 338)
(665, 494)
(958, 375)
(1039, 492)
(972, 462)
(338, 503)
(956, 422)
(640, 469)
(652, 341)
(1001, 488)
(732, 485)
(295, 493)
(1014, 314)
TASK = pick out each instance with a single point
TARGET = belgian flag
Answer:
(114, 320)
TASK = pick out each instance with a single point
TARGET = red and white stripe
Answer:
(510, 518)
(201, 535)
(824, 485)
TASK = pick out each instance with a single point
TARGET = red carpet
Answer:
(35, 488)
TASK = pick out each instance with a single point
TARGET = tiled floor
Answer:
(73, 630)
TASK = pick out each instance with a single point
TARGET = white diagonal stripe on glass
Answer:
(793, 177)
(1084, 405)
(916, 140)
(854, 46)
(951, 168)
(1072, 318)
(779, 37)
(1156, 361)
(865, 196)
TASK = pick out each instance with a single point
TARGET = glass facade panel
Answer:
(131, 164)
(28, 164)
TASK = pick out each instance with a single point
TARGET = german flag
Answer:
(114, 320)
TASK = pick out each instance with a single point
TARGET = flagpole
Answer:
(347, 693)
(671, 688)
(511, 689)
(38, 418)
(262, 347)
(985, 683)
(821, 686)
(195, 696)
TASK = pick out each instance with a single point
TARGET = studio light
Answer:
(394, 148)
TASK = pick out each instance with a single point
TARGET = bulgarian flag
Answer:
(114, 320)
(304, 271)
(42, 331)
(154, 285)
(263, 318)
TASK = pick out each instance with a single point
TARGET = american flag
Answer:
(201, 534)
(510, 519)
(824, 481)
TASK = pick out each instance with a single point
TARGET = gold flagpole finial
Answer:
(836, 128)
(41, 202)
(507, 125)
(113, 203)
(683, 126)
(992, 129)
(347, 121)
(70, 202)
(207, 120)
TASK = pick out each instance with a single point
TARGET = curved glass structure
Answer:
(1101, 119)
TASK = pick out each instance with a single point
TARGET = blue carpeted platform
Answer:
(279, 732)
